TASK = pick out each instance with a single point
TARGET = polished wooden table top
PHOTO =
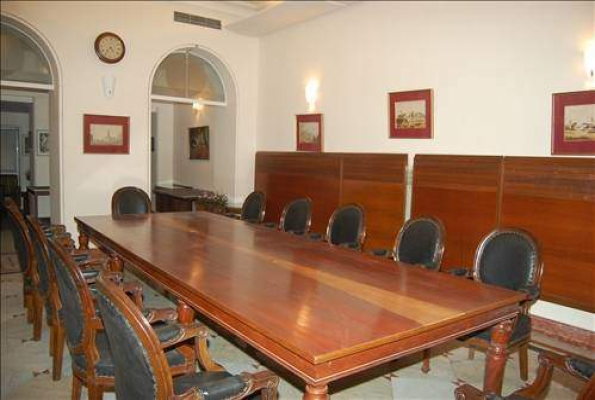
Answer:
(290, 296)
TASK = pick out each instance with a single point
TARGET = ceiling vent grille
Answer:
(196, 20)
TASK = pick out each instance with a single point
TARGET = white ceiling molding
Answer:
(258, 18)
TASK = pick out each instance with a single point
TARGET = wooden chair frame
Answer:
(439, 252)
(289, 205)
(264, 204)
(118, 193)
(263, 381)
(362, 234)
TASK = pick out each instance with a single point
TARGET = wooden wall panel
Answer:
(554, 199)
(331, 179)
(377, 182)
(287, 176)
(463, 191)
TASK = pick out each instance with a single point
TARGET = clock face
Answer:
(109, 47)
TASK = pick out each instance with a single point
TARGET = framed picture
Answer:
(106, 134)
(43, 142)
(573, 123)
(199, 143)
(410, 114)
(309, 132)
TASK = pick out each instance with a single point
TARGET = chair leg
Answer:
(52, 339)
(37, 316)
(425, 367)
(523, 361)
(95, 392)
(58, 353)
(471, 353)
(77, 385)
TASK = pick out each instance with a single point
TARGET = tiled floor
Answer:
(26, 364)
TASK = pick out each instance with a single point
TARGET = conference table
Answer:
(321, 311)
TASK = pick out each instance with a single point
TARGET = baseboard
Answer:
(577, 337)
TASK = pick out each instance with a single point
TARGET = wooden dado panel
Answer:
(463, 191)
(331, 179)
(554, 199)
(551, 197)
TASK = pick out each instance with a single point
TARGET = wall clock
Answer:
(109, 47)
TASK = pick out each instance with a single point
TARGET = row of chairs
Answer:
(115, 342)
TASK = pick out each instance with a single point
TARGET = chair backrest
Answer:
(141, 368)
(421, 241)
(22, 240)
(509, 258)
(78, 310)
(40, 244)
(254, 207)
(347, 225)
(130, 200)
(297, 216)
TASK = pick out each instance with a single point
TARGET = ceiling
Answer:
(258, 17)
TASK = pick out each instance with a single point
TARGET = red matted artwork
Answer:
(410, 114)
(573, 123)
(309, 132)
(106, 134)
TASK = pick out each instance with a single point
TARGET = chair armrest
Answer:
(233, 215)
(460, 271)
(351, 245)
(533, 292)
(382, 253)
(468, 392)
(316, 236)
(542, 381)
(135, 291)
(154, 315)
(271, 225)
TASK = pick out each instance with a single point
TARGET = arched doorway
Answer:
(31, 80)
(193, 121)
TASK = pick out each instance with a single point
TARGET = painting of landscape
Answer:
(410, 114)
(107, 135)
(579, 122)
(308, 132)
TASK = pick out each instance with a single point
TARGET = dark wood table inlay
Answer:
(322, 312)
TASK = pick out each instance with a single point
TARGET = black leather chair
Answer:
(295, 218)
(130, 200)
(346, 227)
(253, 208)
(580, 368)
(508, 258)
(419, 242)
(90, 351)
(141, 366)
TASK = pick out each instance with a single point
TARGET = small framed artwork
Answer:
(106, 134)
(43, 142)
(573, 123)
(309, 132)
(410, 114)
(199, 143)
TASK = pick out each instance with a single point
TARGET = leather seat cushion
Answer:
(167, 332)
(581, 367)
(212, 385)
(521, 331)
(105, 365)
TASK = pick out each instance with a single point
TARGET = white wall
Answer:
(164, 143)
(493, 67)
(71, 28)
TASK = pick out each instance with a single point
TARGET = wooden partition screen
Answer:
(553, 198)
(376, 181)
(463, 191)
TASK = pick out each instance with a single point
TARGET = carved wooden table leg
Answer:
(316, 392)
(115, 263)
(496, 357)
(185, 313)
(83, 241)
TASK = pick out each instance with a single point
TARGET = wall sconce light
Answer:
(109, 85)
(312, 94)
(590, 62)
(197, 105)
